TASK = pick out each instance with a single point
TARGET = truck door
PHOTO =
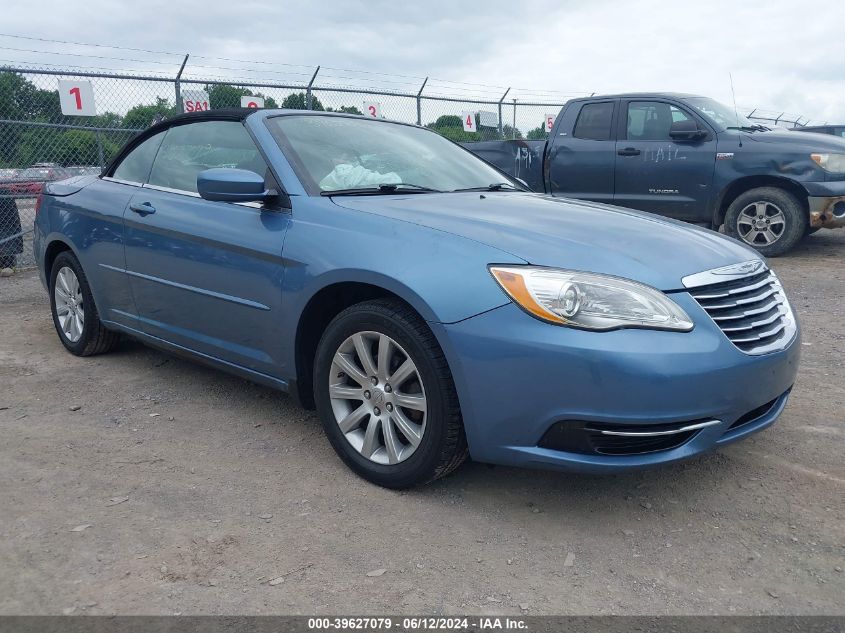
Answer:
(658, 173)
(582, 152)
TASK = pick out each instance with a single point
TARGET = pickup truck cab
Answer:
(686, 157)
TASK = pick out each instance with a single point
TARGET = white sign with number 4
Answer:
(252, 102)
(550, 121)
(468, 119)
(77, 98)
(372, 108)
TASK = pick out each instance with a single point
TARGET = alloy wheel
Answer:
(761, 223)
(378, 397)
(70, 308)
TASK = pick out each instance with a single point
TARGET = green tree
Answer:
(346, 110)
(538, 133)
(142, 116)
(510, 132)
(298, 101)
(451, 126)
(228, 96)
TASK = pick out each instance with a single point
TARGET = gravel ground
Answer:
(139, 483)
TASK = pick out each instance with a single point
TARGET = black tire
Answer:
(795, 219)
(95, 338)
(443, 446)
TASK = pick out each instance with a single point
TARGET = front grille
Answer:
(752, 311)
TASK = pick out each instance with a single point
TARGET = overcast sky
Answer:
(783, 55)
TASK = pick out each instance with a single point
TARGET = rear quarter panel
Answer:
(90, 223)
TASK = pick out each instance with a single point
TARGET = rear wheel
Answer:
(768, 219)
(74, 313)
(386, 398)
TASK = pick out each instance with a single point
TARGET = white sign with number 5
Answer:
(468, 119)
(550, 121)
(252, 102)
(77, 98)
(373, 109)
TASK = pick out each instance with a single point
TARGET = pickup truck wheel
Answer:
(74, 313)
(385, 396)
(768, 219)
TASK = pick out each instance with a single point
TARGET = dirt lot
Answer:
(198, 488)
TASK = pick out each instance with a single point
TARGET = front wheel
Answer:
(385, 396)
(768, 219)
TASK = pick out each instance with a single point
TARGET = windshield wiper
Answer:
(496, 186)
(387, 188)
(746, 128)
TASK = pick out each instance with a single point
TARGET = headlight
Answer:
(588, 300)
(834, 163)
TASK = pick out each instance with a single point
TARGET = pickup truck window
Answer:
(718, 114)
(652, 120)
(594, 121)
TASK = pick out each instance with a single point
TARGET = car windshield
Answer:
(719, 114)
(337, 153)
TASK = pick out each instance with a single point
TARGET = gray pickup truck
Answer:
(686, 157)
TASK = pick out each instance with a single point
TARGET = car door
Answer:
(656, 173)
(96, 229)
(581, 163)
(207, 275)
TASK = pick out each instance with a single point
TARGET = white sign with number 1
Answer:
(77, 98)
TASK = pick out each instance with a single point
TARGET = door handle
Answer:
(629, 151)
(142, 208)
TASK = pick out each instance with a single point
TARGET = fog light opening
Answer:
(839, 209)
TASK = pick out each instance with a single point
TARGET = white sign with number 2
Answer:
(77, 98)
(468, 119)
(372, 108)
(252, 102)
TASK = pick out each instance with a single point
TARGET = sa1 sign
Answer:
(468, 119)
(372, 108)
(550, 121)
(195, 100)
(252, 102)
(77, 98)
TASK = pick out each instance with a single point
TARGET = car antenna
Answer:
(736, 112)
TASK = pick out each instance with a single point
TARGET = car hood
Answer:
(812, 141)
(564, 233)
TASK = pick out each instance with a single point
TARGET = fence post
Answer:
(179, 105)
(513, 132)
(419, 101)
(100, 155)
(501, 126)
(308, 98)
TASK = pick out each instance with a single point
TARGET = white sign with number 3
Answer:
(372, 109)
(77, 98)
(468, 119)
(550, 122)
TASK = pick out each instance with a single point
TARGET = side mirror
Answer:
(224, 184)
(686, 130)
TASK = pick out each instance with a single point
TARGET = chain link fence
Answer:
(39, 144)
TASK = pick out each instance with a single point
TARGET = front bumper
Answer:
(517, 377)
(827, 204)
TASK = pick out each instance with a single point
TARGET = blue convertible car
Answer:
(427, 305)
